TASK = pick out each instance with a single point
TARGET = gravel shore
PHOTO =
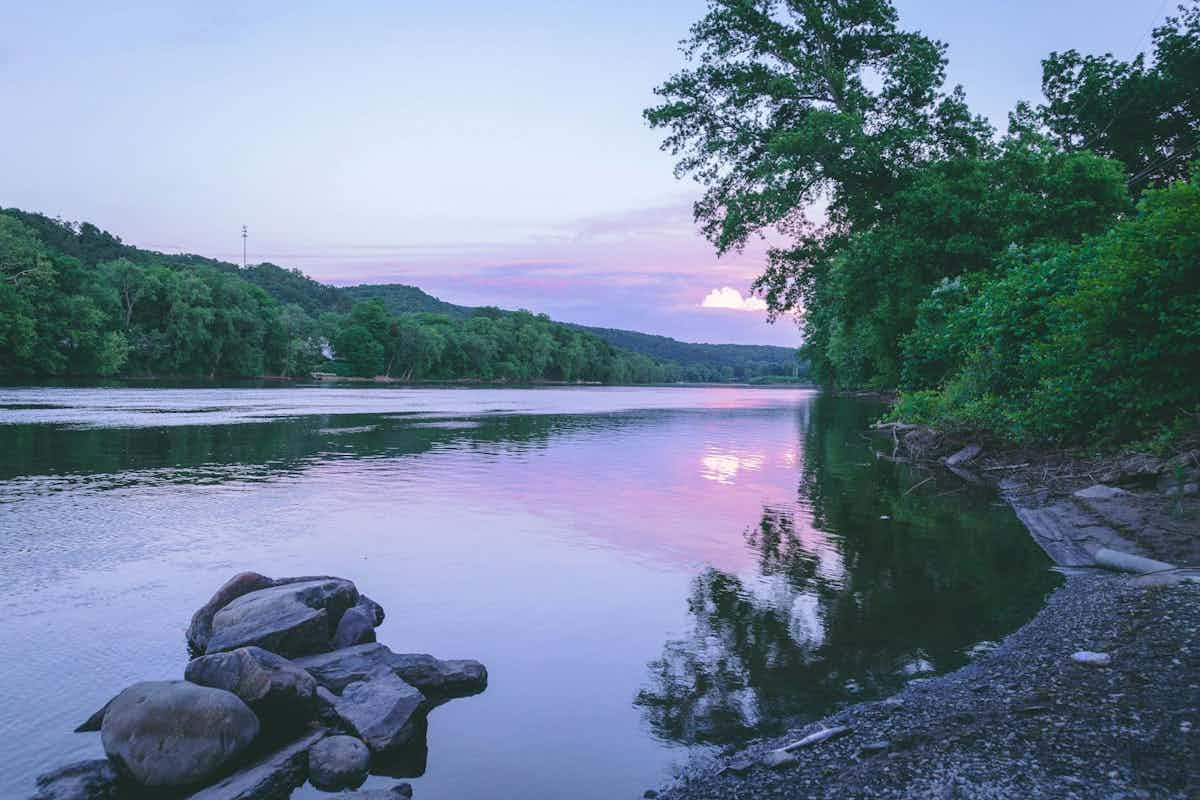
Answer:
(1023, 721)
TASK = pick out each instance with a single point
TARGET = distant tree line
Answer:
(76, 301)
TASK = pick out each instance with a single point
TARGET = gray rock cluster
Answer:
(286, 684)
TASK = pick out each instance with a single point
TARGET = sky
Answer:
(489, 153)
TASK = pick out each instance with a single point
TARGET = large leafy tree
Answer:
(787, 103)
(1145, 114)
(789, 106)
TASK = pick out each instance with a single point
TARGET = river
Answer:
(648, 573)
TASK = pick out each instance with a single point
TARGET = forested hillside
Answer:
(76, 300)
(695, 362)
(1041, 283)
(400, 298)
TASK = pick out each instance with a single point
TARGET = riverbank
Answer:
(1028, 719)
(1022, 721)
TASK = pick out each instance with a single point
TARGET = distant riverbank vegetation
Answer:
(76, 301)
(1042, 284)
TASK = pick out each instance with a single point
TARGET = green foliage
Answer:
(1144, 115)
(137, 313)
(1001, 280)
(1101, 337)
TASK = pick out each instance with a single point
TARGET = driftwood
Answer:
(786, 756)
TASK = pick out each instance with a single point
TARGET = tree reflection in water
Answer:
(858, 587)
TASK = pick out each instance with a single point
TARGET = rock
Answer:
(357, 626)
(338, 762)
(200, 629)
(872, 748)
(174, 733)
(1091, 659)
(432, 676)
(382, 710)
(93, 722)
(372, 608)
(920, 440)
(326, 701)
(272, 777)
(338, 669)
(455, 678)
(1116, 510)
(737, 766)
(1171, 577)
(1187, 490)
(649, 794)
(1100, 492)
(275, 688)
(84, 780)
(1138, 469)
(1126, 562)
(291, 619)
(401, 791)
(963, 456)
(778, 759)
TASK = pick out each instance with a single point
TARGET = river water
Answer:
(648, 573)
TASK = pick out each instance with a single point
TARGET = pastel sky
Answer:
(490, 153)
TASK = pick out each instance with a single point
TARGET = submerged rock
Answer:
(272, 777)
(431, 675)
(175, 733)
(275, 688)
(338, 762)
(401, 791)
(291, 619)
(96, 779)
(383, 710)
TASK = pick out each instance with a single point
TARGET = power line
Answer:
(1138, 50)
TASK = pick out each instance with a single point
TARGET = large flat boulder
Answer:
(96, 779)
(272, 777)
(200, 629)
(176, 734)
(277, 690)
(433, 676)
(383, 711)
(290, 619)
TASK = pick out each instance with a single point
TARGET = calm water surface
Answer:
(649, 574)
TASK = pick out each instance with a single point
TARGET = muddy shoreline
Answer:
(1027, 719)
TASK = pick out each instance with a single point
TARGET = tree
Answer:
(777, 113)
(1144, 115)
(361, 351)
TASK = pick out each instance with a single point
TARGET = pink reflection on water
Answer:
(680, 491)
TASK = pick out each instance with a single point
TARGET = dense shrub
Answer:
(1066, 342)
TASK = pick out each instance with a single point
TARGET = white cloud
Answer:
(728, 297)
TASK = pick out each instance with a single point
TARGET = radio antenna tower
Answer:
(243, 247)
